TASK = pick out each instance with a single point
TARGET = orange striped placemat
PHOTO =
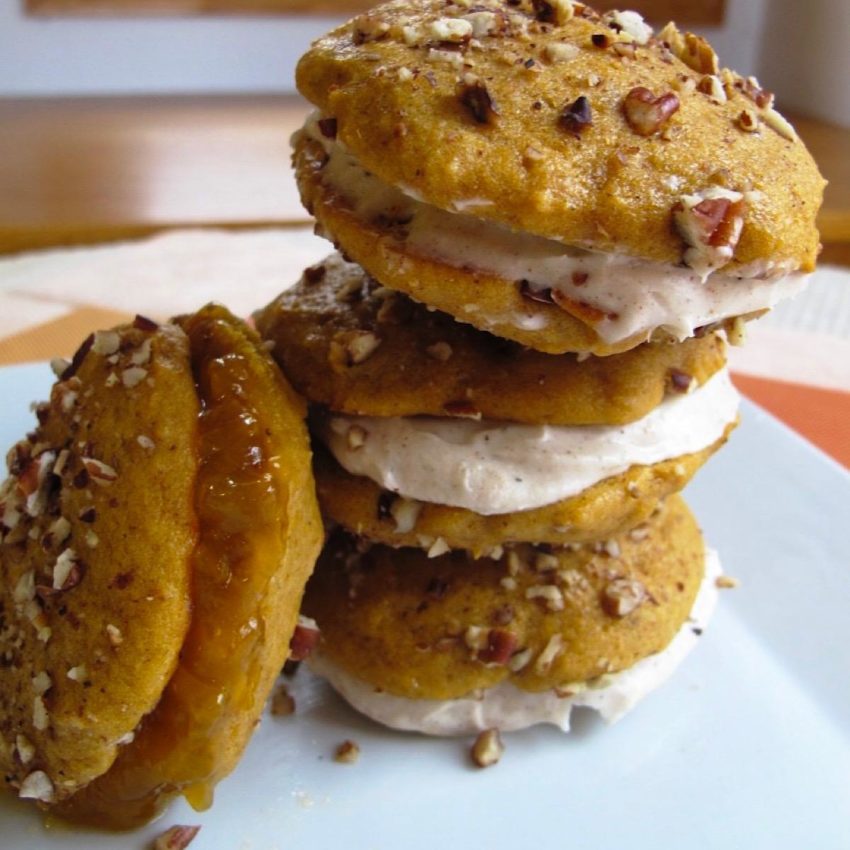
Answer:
(57, 338)
(821, 415)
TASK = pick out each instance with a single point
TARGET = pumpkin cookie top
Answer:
(548, 118)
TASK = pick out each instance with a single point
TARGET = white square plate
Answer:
(748, 746)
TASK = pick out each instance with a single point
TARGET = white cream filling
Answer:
(501, 467)
(636, 296)
(508, 708)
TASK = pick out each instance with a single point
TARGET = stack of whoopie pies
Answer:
(548, 219)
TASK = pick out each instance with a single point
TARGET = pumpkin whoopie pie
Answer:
(547, 219)
(569, 180)
(158, 527)
(453, 645)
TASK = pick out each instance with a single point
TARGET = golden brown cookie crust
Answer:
(425, 363)
(94, 608)
(606, 509)
(412, 114)
(441, 628)
(259, 535)
(482, 299)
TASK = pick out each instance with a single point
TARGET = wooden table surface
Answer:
(86, 170)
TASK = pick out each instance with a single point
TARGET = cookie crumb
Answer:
(726, 582)
(283, 703)
(487, 749)
(347, 752)
(176, 838)
(37, 786)
(622, 596)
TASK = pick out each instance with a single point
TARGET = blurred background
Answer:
(75, 47)
(121, 81)
(121, 119)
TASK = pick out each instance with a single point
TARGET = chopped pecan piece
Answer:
(438, 547)
(176, 838)
(541, 296)
(710, 223)
(580, 309)
(577, 116)
(549, 594)
(143, 323)
(327, 127)
(314, 274)
(351, 348)
(77, 359)
(779, 124)
(37, 786)
(405, 512)
(347, 752)
(647, 114)
(106, 343)
(699, 55)
(450, 30)
(283, 703)
(488, 748)
(558, 51)
(622, 596)
(99, 472)
(554, 647)
(462, 408)
(67, 571)
(486, 23)
(710, 84)
(691, 49)
(478, 102)
(748, 121)
(368, 27)
(725, 582)
(628, 25)
(499, 648)
(553, 11)
(304, 639)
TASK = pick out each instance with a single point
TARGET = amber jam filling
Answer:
(194, 735)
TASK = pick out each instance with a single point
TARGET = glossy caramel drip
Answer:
(195, 734)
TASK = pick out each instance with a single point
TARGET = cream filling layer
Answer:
(508, 708)
(635, 297)
(501, 467)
